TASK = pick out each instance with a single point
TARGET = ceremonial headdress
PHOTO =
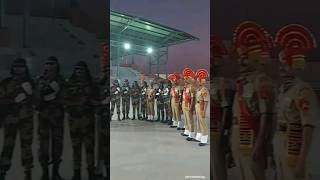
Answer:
(295, 41)
(202, 75)
(252, 41)
(188, 75)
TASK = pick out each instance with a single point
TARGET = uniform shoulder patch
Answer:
(303, 99)
(265, 88)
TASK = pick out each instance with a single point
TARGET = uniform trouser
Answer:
(12, 125)
(144, 108)
(82, 132)
(51, 129)
(284, 172)
(189, 122)
(203, 130)
(176, 115)
(125, 105)
(167, 109)
(160, 110)
(113, 104)
(246, 167)
(103, 139)
(218, 158)
(135, 107)
(150, 105)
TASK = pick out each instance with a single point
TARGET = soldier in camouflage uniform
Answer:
(298, 110)
(18, 100)
(103, 125)
(115, 97)
(143, 100)
(160, 102)
(125, 93)
(135, 92)
(51, 117)
(166, 99)
(81, 100)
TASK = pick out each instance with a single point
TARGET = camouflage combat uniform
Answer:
(125, 94)
(115, 98)
(51, 121)
(160, 103)
(19, 119)
(135, 92)
(167, 105)
(143, 102)
(104, 125)
(80, 95)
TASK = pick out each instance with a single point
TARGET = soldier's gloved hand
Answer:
(20, 97)
(116, 92)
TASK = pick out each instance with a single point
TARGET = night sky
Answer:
(191, 16)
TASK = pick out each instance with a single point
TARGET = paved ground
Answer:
(152, 151)
(140, 150)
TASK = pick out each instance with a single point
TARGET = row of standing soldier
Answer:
(253, 122)
(142, 100)
(181, 94)
(51, 96)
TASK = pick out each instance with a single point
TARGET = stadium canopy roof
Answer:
(142, 33)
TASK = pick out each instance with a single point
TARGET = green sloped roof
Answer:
(142, 33)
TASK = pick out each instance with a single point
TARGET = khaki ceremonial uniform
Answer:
(150, 102)
(222, 93)
(175, 98)
(188, 95)
(202, 96)
(297, 107)
(254, 97)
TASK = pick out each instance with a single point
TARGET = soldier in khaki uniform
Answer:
(298, 106)
(175, 99)
(253, 104)
(150, 102)
(222, 93)
(188, 103)
(201, 102)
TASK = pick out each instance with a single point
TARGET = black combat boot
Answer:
(127, 116)
(134, 117)
(27, 174)
(55, 173)
(123, 117)
(45, 173)
(119, 117)
(76, 174)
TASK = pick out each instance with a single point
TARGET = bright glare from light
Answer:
(148, 27)
(126, 46)
(149, 50)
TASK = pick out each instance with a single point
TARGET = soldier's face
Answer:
(80, 71)
(51, 68)
(286, 71)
